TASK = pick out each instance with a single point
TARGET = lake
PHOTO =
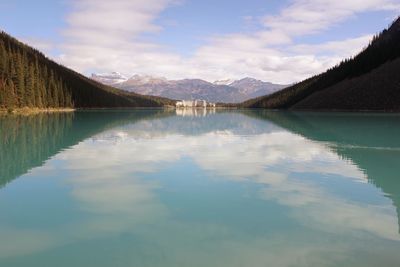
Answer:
(199, 188)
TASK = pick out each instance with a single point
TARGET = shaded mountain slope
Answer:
(353, 82)
(377, 90)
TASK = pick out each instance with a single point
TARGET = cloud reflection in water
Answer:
(119, 179)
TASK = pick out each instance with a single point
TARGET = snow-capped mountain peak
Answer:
(227, 90)
(145, 79)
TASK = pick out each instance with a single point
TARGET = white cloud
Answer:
(108, 36)
(313, 16)
(44, 45)
(344, 48)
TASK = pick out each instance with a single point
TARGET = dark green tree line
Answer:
(26, 83)
(383, 48)
(29, 79)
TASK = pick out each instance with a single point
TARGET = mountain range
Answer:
(223, 91)
(368, 81)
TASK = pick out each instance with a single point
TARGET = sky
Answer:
(277, 41)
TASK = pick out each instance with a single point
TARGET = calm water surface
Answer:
(156, 188)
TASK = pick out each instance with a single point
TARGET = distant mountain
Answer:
(225, 91)
(368, 81)
(256, 88)
(182, 89)
(29, 79)
(141, 80)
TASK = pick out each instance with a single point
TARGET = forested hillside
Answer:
(29, 79)
(368, 81)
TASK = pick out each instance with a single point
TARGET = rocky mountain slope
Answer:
(225, 91)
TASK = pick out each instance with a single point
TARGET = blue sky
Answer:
(278, 41)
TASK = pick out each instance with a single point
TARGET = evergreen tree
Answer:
(30, 87)
(383, 48)
(28, 78)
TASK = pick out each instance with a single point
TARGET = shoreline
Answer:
(32, 111)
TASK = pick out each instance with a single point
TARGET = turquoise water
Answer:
(165, 188)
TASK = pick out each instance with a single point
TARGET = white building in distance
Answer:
(194, 104)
